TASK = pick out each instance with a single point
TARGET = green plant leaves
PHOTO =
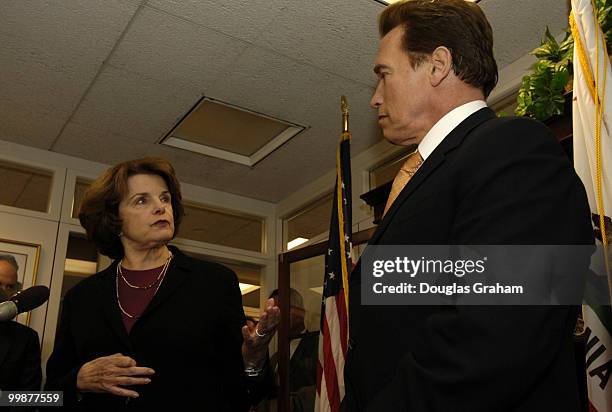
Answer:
(541, 94)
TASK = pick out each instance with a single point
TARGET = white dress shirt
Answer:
(446, 124)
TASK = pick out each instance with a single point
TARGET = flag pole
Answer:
(346, 135)
(333, 337)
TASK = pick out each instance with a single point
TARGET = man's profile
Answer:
(474, 179)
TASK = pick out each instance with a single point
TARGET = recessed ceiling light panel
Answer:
(228, 132)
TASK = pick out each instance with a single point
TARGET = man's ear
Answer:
(441, 64)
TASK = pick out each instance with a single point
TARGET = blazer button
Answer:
(352, 344)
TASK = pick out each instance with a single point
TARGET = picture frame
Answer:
(27, 256)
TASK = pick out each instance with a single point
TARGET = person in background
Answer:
(157, 328)
(19, 345)
(303, 352)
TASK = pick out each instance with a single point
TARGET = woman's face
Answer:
(146, 212)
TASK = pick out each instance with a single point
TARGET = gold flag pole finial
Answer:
(346, 134)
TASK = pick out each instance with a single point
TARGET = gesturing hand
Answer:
(256, 338)
(109, 373)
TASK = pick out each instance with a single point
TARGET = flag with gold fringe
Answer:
(592, 104)
(333, 339)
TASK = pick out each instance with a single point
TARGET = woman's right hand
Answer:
(109, 373)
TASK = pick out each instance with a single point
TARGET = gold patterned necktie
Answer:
(408, 169)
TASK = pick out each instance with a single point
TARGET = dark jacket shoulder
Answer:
(18, 331)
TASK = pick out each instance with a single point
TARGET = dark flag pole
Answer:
(333, 339)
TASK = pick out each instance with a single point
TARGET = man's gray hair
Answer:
(10, 259)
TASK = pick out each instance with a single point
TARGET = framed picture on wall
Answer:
(26, 255)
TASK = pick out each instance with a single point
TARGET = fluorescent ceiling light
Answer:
(247, 288)
(296, 242)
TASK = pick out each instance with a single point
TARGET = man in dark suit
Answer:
(303, 353)
(19, 358)
(475, 179)
(19, 346)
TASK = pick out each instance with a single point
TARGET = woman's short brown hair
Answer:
(459, 25)
(99, 211)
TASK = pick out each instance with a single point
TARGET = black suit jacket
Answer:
(490, 181)
(303, 363)
(19, 358)
(190, 334)
(302, 376)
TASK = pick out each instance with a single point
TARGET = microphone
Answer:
(23, 301)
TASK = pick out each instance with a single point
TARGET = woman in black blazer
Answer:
(156, 328)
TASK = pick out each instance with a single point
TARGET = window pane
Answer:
(249, 278)
(79, 191)
(25, 187)
(309, 222)
(306, 278)
(222, 228)
(81, 262)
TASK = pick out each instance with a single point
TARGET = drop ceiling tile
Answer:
(100, 146)
(286, 174)
(28, 127)
(90, 27)
(134, 105)
(270, 83)
(35, 77)
(164, 47)
(242, 19)
(51, 52)
(339, 36)
(517, 32)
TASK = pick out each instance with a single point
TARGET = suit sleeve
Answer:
(31, 375)
(241, 391)
(63, 364)
(515, 188)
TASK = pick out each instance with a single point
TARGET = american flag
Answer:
(333, 339)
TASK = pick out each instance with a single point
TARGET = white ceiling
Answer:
(105, 80)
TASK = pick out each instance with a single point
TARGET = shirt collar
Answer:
(446, 124)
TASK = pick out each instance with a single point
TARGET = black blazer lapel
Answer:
(110, 306)
(176, 275)
(450, 142)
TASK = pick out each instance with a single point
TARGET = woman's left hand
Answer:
(256, 339)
